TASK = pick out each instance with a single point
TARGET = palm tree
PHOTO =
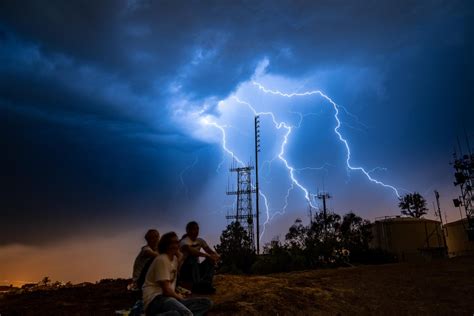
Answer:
(413, 205)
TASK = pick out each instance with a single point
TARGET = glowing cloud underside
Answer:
(281, 155)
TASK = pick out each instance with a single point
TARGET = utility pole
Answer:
(323, 196)
(257, 192)
(310, 210)
(441, 219)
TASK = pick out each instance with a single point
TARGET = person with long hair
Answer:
(159, 289)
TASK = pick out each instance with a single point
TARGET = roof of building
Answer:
(458, 222)
(404, 219)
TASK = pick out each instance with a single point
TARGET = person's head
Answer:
(192, 230)
(152, 237)
(169, 244)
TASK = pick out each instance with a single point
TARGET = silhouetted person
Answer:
(145, 256)
(159, 295)
(195, 275)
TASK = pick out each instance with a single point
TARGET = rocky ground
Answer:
(443, 287)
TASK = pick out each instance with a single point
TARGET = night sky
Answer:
(112, 115)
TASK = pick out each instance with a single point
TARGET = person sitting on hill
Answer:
(145, 256)
(159, 289)
(195, 275)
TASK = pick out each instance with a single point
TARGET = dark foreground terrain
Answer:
(443, 287)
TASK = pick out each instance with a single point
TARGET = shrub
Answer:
(236, 250)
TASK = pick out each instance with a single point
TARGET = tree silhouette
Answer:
(329, 240)
(45, 281)
(413, 205)
(236, 249)
(297, 235)
(355, 233)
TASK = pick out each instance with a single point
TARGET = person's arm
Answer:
(214, 256)
(180, 257)
(209, 250)
(194, 252)
(168, 290)
(150, 253)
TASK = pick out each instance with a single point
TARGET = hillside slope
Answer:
(437, 288)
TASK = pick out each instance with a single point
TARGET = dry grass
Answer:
(444, 287)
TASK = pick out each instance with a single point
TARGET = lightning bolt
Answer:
(377, 169)
(287, 196)
(281, 155)
(181, 174)
(336, 130)
(301, 117)
(291, 169)
(221, 128)
(354, 117)
(206, 121)
(323, 167)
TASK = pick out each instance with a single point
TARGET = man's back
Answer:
(140, 261)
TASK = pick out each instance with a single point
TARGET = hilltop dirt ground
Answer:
(444, 287)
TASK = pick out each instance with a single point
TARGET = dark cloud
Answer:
(85, 89)
(158, 39)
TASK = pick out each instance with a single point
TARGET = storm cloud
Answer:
(89, 93)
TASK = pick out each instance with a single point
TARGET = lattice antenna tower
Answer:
(244, 210)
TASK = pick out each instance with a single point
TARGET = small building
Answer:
(457, 238)
(410, 239)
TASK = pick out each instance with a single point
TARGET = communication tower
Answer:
(244, 211)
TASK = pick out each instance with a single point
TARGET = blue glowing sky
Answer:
(110, 110)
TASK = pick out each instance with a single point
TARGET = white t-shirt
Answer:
(161, 269)
(198, 244)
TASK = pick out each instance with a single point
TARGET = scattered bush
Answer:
(328, 241)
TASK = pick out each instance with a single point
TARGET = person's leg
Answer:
(167, 306)
(190, 270)
(206, 271)
(197, 305)
(194, 263)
